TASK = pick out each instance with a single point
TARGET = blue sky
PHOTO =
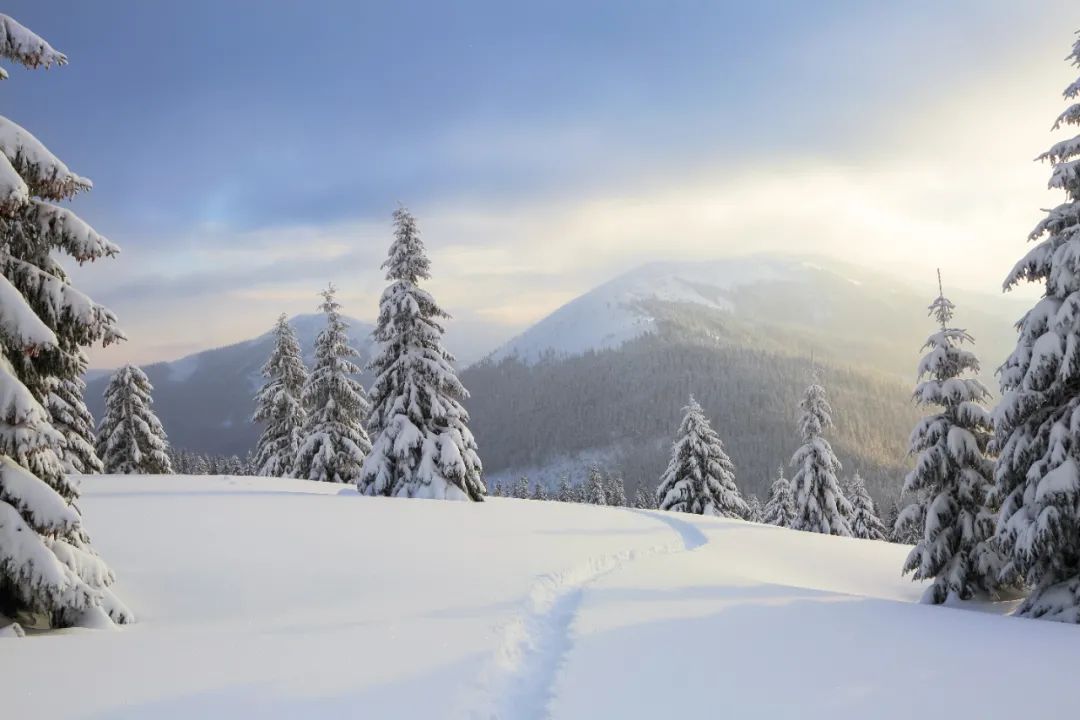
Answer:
(244, 153)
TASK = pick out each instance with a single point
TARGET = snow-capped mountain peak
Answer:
(617, 311)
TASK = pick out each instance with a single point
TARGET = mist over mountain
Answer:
(603, 378)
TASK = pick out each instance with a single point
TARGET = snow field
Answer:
(275, 598)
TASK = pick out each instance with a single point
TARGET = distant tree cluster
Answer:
(596, 486)
(186, 462)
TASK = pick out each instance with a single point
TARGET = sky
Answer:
(246, 153)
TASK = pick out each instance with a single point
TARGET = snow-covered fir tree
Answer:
(333, 441)
(755, 510)
(700, 478)
(615, 490)
(539, 492)
(820, 505)
(130, 439)
(280, 405)
(595, 490)
(779, 509)
(949, 487)
(1037, 433)
(199, 465)
(864, 520)
(643, 499)
(49, 573)
(422, 443)
(565, 492)
(235, 465)
(521, 488)
(497, 490)
(32, 240)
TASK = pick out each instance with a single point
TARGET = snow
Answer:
(22, 45)
(43, 172)
(615, 312)
(258, 597)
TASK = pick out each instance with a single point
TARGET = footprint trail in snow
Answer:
(518, 680)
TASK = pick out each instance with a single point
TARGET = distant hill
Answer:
(205, 400)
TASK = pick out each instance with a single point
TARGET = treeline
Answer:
(186, 462)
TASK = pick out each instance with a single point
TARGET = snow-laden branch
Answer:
(25, 47)
(42, 171)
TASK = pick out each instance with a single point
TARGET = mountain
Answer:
(205, 400)
(603, 379)
(843, 312)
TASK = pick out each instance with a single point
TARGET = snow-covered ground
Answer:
(287, 599)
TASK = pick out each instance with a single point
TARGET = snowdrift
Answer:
(286, 599)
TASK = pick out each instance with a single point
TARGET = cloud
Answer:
(942, 177)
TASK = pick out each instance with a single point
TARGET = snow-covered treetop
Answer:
(333, 339)
(942, 309)
(406, 259)
(20, 44)
(286, 354)
(942, 369)
(817, 413)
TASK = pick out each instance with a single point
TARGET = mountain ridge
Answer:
(739, 333)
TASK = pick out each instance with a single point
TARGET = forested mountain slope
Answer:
(624, 405)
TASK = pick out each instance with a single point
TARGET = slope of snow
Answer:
(613, 313)
(286, 599)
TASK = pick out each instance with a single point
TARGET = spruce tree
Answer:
(49, 573)
(1037, 435)
(198, 464)
(779, 509)
(953, 478)
(565, 493)
(615, 490)
(280, 405)
(755, 511)
(594, 491)
(131, 440)
(539, 492)
(497, 491)
(643, 499)
(521, 488)
(864, 520)
(700, 478)
(333, 442)
(423, 446)
(820, 505)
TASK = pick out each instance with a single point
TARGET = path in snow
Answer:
(691, 535)
(518, 681)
